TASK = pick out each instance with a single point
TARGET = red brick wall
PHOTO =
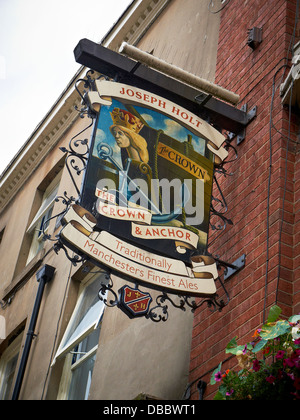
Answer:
(255, 209)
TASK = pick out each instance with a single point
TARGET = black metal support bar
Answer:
(235, 267)
(240, 137)
(126, 70)
(231, 269)
(44, 275)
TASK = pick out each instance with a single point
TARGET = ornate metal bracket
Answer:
(108, 288)
(219, 207)
(88, 86)
(78, 152)
(159, 312)
(76, 157)
(75, 259)
(67, 201)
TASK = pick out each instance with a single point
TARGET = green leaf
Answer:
(219, 396)
(249, 346)
(232, 343)
(274, 313)
(293, 319)
(212, 379)
(269, 332)
(232, 347)
(259, 346)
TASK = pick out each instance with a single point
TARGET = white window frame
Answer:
(43, 214)
(77, 364)
(65, 347)
(11, 352)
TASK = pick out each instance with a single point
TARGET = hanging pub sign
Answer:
(145, 201)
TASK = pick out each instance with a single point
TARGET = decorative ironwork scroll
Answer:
(159, 311)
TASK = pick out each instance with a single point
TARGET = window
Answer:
(80, 342)
(41, 218)
(8, 363)
(82, 364)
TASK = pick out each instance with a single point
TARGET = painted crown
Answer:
(126, 119)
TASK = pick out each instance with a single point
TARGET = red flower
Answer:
(256, 365)
(256, 333)
(289, 362)
(225, 374)
(280, 355)
(271, 379)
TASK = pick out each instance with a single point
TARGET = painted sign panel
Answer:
(145, 202)
(150, 175)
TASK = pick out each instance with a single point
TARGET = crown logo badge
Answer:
(126, 119)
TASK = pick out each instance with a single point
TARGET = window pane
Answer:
(86, 315)
(86, 322)
(81, 379)
(8, 378)
(43, 224)
(86, 345)
(47, 202)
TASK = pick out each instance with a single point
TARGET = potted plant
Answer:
(270, 364)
